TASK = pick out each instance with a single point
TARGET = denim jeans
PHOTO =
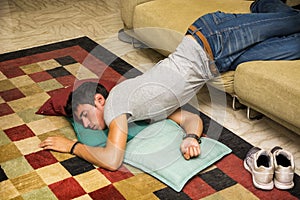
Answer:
(270, 32)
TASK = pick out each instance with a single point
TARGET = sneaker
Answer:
(284, 168)
(260, 164)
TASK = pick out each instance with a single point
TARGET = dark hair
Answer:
(84, 94)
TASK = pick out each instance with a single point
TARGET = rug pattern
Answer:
(29, 77)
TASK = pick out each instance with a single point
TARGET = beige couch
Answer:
(269, 87)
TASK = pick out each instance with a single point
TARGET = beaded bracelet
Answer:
(73, 147)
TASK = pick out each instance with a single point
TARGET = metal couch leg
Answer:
(236, 105)
(254, 114)
(234, 99)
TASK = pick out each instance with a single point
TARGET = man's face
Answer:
(91, 116)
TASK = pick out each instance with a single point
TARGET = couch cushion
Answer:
(176, 16)
(272, 87)
(127, 8)
(224, 82)
(155, 150)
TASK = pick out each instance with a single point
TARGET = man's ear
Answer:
(99, 100)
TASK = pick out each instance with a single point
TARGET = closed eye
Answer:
(83, 114)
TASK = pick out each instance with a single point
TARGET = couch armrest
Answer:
(127, 11)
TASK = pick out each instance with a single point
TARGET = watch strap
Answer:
(192, 135)
(73, 147)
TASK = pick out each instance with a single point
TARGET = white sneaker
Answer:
(260, 164)
(284, 168)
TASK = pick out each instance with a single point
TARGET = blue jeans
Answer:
(270, 32)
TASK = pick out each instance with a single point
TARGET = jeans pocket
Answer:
(220, 17)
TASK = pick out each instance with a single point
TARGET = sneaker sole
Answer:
(269, 186)
(283, 186)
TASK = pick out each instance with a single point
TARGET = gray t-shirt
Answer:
(157, 93)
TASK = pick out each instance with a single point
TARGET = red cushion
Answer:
(55, 106)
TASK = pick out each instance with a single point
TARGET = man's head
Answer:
(86, 104)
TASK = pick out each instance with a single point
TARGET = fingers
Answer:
(186, 156)
(57, 143)
(190, 148)
(192, 151)
(47, 144)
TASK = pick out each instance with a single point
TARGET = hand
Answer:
(57, 143)
(190, 148)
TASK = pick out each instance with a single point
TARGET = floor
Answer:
(31, 23)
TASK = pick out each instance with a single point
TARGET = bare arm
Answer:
(109, 157)
(192, 124)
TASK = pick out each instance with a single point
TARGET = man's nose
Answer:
(85, 122)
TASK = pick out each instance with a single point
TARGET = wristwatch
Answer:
(192, 135)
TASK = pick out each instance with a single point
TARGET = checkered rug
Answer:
(29, 77)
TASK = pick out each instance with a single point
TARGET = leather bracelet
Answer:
(192, 135)
(73, 147)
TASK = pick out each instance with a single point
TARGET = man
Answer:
(270, 32)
